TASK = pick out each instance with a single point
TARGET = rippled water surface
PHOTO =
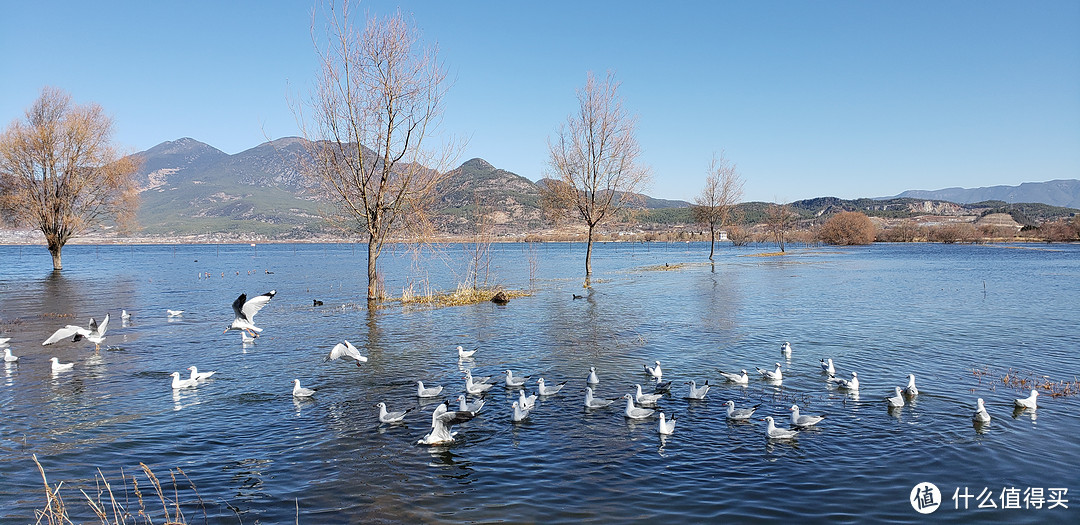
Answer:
(255, 454)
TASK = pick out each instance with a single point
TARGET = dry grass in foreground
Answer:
(768, 254)
(111, 511)
(463, 296)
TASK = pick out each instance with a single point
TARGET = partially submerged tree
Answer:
(595, 159)
(61, 173)
(778, 220)
(715, 205)
(376, 102)
(847, 228)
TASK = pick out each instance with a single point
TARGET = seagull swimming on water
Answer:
(646, 399)
(773, 375)
(345, 349)
(514, 382)
(592, 402)
(897, 400)
(740, 379)
(299, 391)
(850, 384)
(245, 310)
(463, 353)
(786, 349)
(634, 412)
(771, 432)
(527, 402)
(174, 313)
(740, 414)
(695, 392)
(654, 371)
(592, 379)
(666, 427)
(200, 376)
(520, 413)
(178, 383)
(827, 367)
(442, 420)
(422, 391)
(57, 366)
(1027, 402)
(545, 390)
(124, 315)
(8, 358)
(800, 420)
(473, 407)
(910, 389)
(475, 388)
(391, 417)
(95, 333)
(980, 415)
(478, 379)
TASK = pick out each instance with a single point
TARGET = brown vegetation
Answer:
(716, 203)
(847, 228)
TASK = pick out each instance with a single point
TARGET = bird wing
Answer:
(252, 306)
(101, 327)
(65, 333)
(338, 351)
(237, 305)
(455, 417)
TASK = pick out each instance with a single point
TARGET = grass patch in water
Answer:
(463, 296)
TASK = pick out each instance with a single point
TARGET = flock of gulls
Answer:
(639, 405)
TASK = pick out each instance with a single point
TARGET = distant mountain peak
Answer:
(478, 164)
(1061, 192)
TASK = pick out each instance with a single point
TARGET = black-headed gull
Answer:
(646, 399)
(514, 382)
(178, 383)
(980, 415)
(740, 414)
(771, 375)
(740, 379)
(850, 384)
(8, 358)
(654, 371)
(800, 420)
(422, 391)
(57, 366)
(696, 392)
(896, 400)
(463, 353)
(1027, 402)
(174, 313)
(465, 406)
(475, 388)
(245, 310)
(634, 412)
(786, 349)
(827, 367)
(526, 401)
(200, 376)
(345, 349)
(666, 426)
(477, 379)
(771, 432)
(299, 391)
(910, 389)
(592, 402)
(592, 379)
(520, 413)
(544, 390)
(442, 420)
(95, 333)
(386, 416)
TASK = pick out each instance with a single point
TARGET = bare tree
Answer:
(60, 172)
(715, 205)
(378, 98)
(595, 159)
(778, 220)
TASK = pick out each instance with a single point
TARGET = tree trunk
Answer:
(54, 248)
(588, 256)
(712, 240)
(372, 274)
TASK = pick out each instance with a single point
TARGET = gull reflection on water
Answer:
(302, 402)
(184, 397)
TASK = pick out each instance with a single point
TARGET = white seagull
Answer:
(771, 432)
(178, 383)
(520, 413)
(4, 341)
(786, 349)
(124, 316)
(475, 388)
(774, 375)
(473, 407)
(245, 310)
(740, 414)
(433, 391)
(527, 402)
(174, 313)
(827, 367)
(463, 353)
(910, 389)
(345, 349)
(299, 391)
(896, 400)
(478, 379)
(514, 382)
(666, 427)
(390, 417)
(592, 379)
(850, 384)
(741, 379)
(8, 358)
(694, 392)
(800, 420)
(1027, 402)
(57, 366)
(654, 371)
(634, 412)
(646, 399)
(442, 420)
(200, 376)
(980, 414)
(95, 334)
(592, 402)
(545, 390)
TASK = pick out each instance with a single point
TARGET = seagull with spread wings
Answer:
(245, 310)
(95, 333)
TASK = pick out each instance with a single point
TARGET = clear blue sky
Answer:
(846, 99)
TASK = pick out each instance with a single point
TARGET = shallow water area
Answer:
(959, 317)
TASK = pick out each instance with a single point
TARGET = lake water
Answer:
(256, 455)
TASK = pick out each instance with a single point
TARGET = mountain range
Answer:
(188, 188)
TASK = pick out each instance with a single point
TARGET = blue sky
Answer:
(809, 99)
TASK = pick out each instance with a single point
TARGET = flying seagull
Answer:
(245, 311)
(95, 334)
(345, 349)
